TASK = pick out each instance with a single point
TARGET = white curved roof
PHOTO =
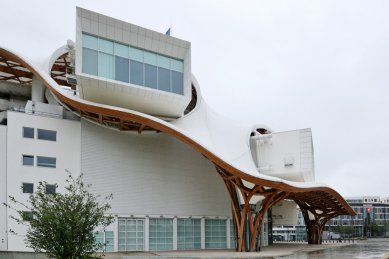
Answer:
(217, 138)
(220, 136)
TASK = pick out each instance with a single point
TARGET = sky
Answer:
(290, 65)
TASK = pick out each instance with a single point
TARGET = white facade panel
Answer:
(66, 150)
(3, 187)
(284, 213)
(151, 174)
(288, 155)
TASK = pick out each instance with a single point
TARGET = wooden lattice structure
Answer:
(60, 68)
(12, 71)
(318, 204)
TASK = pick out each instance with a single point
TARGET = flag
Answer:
(168, 32)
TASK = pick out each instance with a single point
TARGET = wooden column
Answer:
(315, 220)
(247, 219)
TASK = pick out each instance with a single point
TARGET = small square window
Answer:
(27, 215)
(50, 188)
(28, 132)
(28, 188)
(28, 160)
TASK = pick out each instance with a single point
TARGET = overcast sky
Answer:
(322, 65)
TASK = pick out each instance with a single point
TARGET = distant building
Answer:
(295, 231)
(372, 217)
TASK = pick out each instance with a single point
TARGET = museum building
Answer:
(120, 105)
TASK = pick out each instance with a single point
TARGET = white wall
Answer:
(280, 148)
(3, 187)
(284, 213)
(66, 150)
(151, 174)
(37, 90)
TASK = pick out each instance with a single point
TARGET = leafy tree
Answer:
(63, 224)
(386, 228)
(376, 229)
(348, 231)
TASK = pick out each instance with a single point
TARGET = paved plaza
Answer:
(373, 248)
(276, 250)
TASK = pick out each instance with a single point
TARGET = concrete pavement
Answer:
(276, 250)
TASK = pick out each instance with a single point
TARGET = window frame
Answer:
(30, 185)
(133, 54)
(46, 164)
(27, 216)
(48, 186)
(24, 132)
(28, 156)
(47, 131)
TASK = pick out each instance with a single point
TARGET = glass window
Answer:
(177, 65)
(28, 187)
(50, 188)
(177, 82)
(131, 235)
(215, 233)
(89, 41)
(105, 65)
(28, 132)
(232, 234)
(27, 215)
(99, 239)
(105, 46)
(43, 161)
(136, 72)
(163, 79)
(121, 50)
(161, 234)
(163, 62)
(151, 76)
(109, 238)
(122, 69)
(121, 62)
(28, 160)
(89, 61)
(106, 240)
(47, 134)
(150, 58)
(188, 234)
(136, 54)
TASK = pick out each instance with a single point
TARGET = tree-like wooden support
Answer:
(317, 208)
(248, 217)
(315, 219)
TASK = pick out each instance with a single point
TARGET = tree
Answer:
(63, 224)
(377, 230)
(348, 231)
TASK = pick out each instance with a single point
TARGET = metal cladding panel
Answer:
(151, 174)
